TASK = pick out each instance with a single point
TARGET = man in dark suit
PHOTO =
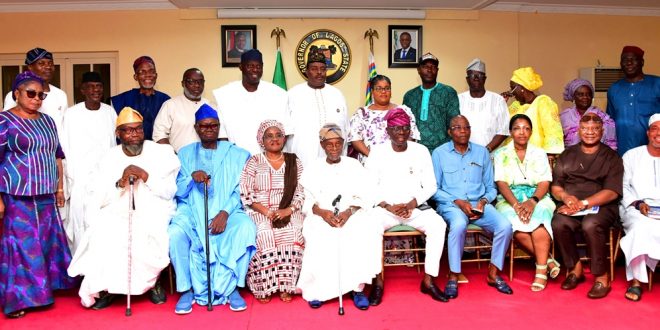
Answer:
(405, 53)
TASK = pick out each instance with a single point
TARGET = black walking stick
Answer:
(209, 307)
(131, 209)
(335, 203)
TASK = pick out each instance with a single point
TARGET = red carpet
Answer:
(477, 307)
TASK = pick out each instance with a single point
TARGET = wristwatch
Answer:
(534, 198)
(585, 203)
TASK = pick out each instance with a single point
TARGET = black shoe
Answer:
(376, 295)
(103, 301)
(434, 292)
(157, 294)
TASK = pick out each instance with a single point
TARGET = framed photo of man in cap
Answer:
(405, 46)
(236, 39)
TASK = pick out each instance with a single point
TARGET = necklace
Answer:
(276, 159)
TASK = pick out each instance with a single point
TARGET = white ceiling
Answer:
(615, 7)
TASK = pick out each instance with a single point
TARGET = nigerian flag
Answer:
(278, 76)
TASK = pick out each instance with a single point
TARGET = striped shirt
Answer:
(28, 149)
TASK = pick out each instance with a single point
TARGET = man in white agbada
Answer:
(102, 256)
(405, 181)
(486, 111)
(246, 103)
(342, 240)
(89, 132)
(640, 208)
(174, 124)
(312, 105)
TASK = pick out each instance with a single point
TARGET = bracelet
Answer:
(637, 203)
(292, 208)
(536, 199)
(60, 190)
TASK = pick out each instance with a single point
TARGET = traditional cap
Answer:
(252, 55)
(330, 131)
(266, 124)
(315, 57)
(205, 112)
(397, 117)
(654, 118)
(91, 77)
(476, 65)
(428, 57)
(128, 115)
(142, 59)
(573, 85)
(633, 49)
(526, 77)
(36, 54)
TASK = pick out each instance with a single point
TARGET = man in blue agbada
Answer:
(232, 233)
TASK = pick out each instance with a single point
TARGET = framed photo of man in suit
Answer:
(236, 39)
(405, 45)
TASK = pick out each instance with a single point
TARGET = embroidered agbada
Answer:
(241, 111)
(310, 109)
(487, 115)
(88, 135)
(102, 254)
(641, 244)
(176, 121)
(33, 250)
(353, 250)
(547, 133)
(441, 108)
(231, 250)
(275, 266)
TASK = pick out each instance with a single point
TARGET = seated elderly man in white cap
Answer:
(109, 245)
(342, 242)
(640, 209)
(485, 110)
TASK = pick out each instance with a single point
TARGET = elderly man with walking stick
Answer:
(208, 186)
(116, 257)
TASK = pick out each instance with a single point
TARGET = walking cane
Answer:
(131, 209)
(209, 307)
(335, 203)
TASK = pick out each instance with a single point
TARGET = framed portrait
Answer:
(236, 39)
(405, 46)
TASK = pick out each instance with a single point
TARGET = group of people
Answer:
(287, 212)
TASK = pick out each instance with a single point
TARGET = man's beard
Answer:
(133, 149)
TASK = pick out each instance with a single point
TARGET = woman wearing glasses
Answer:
(541, 109)
(273, 198)
(34, 253)
(367, 123)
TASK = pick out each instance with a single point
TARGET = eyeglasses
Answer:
(32, 94)
(132, 130)
(400, 129)
(382, 89)
(208, 127)
(276, 136)
(590, 129)
(459, 128)
(513, 89)
(476, 75)
(194, 81)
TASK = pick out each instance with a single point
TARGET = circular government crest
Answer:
(332, 46)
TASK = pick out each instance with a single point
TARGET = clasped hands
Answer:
(134, 171)
(336, 221)
(524, 210)
(571, 205)
(402, 210)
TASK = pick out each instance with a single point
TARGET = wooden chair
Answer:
(613, 244)
(402, 231)
(518, 253)
(476, 232)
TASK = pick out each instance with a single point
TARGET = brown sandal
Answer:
(264, 300)
(285, 297)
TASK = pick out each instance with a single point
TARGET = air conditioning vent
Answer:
(601, 78)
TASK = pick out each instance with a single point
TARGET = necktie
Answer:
(403, 53)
